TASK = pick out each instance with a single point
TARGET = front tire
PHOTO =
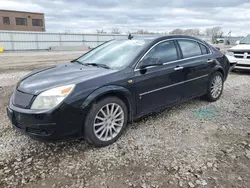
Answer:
(105, 121)
(215, 87)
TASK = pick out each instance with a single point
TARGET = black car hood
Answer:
(68, 73)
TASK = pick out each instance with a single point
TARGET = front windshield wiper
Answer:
(75, 60)
(93, 64)
(98, 65)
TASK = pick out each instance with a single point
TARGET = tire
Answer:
(94, 133)
(210, 96)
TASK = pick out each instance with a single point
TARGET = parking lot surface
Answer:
(194, 144)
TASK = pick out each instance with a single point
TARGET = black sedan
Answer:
(95, 96)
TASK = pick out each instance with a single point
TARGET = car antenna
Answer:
(130, 36)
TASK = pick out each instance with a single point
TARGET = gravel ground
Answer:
(30, 61)
(194, 144)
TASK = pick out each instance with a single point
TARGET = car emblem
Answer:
(245, 55)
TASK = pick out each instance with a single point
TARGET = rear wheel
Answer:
(215, 87)
(105, 121)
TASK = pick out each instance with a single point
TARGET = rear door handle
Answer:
(210, 61)
(178, 68)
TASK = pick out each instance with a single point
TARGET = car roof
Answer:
(164, 37)
(157, 38)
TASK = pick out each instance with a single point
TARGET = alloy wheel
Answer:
(216, 87)
(108, 121)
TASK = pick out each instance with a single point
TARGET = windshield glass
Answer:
(114, 54)
(246, 40)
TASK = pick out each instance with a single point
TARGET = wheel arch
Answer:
(113, 90)
(219, 69)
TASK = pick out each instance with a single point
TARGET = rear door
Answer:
(196, 65)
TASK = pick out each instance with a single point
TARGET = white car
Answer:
(240, 54)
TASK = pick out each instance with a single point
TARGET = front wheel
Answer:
(215, 87)
(105, 121)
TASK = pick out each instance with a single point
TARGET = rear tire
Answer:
(215, 87)
(106, 121)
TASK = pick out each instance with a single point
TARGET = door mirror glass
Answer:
(148, 62)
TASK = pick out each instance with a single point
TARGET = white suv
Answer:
(240, 54)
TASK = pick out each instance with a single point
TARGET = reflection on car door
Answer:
(159, 86)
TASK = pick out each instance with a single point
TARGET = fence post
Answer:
(37, 46)
(83, 41)
(60, 39)
(12, 41)
(97, 39)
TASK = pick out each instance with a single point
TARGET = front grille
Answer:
(243, 65)
(237, 56)
(21, 99)
(241, 54)
(36, 131)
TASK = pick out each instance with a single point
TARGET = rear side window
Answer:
(204, 49)
(165, 51)
(189, 48)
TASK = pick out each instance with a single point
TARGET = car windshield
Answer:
(114, 54)
(246, 40)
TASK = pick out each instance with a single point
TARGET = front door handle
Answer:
(210, 61)
(178, 68)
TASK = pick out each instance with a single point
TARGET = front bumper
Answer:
(19, 120)
(62, 123)
(242, 64)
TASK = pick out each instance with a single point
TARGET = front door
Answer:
(158, 86)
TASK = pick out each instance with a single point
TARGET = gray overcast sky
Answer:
(153, 15)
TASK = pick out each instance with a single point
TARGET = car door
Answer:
(196, 66)
(157, 86)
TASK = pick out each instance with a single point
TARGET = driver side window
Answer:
(165, 51)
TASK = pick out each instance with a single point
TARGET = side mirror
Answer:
(148, 62)
(237, 42)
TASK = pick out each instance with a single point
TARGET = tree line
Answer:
(214, 32)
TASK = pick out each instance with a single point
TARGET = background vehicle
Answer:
(220, 40)
(240, 54)
(96, 95)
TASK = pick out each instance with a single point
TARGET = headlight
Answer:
(229, 53)
(51, 98)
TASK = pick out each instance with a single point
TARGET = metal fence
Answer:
(24, 41)
(19, 41)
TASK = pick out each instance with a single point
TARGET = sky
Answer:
(86, 16)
